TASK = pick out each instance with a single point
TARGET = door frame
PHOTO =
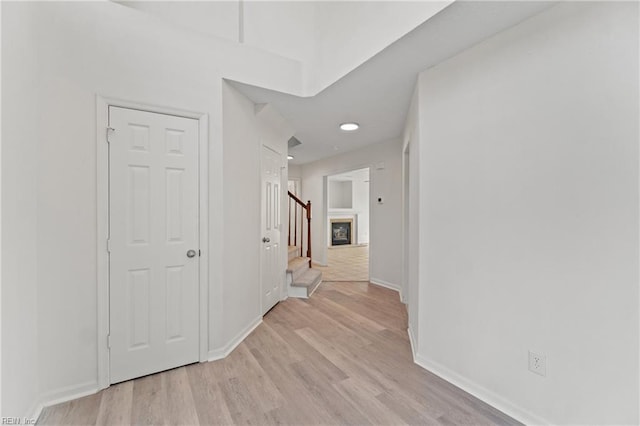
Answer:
(102, 201)
(406, 204)
(325, 209)
(282, 198)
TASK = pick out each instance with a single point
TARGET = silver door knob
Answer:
(266, 240)
(191, 253)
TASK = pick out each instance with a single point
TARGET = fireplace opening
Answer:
(341, 232)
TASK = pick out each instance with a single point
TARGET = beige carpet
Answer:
(348, 263)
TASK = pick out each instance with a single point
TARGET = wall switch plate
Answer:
(538, 364)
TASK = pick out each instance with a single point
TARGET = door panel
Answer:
(153, 220)
(271, 274)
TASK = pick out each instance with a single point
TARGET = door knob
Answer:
(266, 240)
(191, 253)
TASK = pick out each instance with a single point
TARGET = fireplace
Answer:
(341, 230)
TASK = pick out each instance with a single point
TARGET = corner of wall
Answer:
(61, 395)
(386, 284)
(223, 352)
(413, 343)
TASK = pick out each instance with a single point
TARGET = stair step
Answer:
(297, 263)
(293, 252)
(297, 266)
(310, 279)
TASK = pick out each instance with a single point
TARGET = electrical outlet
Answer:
(538, 363)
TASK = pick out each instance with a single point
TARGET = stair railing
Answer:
(305, 212)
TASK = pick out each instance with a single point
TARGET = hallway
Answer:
(340, 357)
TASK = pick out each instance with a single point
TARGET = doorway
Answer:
(153, 242)
(152, 226)
(348, 206)
(270, 264)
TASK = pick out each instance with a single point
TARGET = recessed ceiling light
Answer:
(349, 127)
(289, 157)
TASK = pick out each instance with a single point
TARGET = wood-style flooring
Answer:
(346, 263)
(340, 357)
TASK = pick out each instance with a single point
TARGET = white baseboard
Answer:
(480, 392)
(65, 394)
(216, 354)
(89, 388)
(314, 289)
(402, 298)
(385, 284)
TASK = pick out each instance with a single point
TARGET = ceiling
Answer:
(377, 94)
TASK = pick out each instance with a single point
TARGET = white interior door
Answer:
(154, 255)
(271, 276)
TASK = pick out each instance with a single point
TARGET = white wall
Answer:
(62, 56)
(295, 171)
(19, 215)
(348, 33)
(340, 194)
(241, 280)
(282, 27)
(328, 39)
(211, 18)
(529, 143)
(385, 249)
(361, 204)
(243, 135)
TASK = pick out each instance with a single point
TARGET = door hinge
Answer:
(109, 245)
(109, 341)
(110, 130)
(199, 253)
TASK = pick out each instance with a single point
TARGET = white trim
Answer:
(480, 392)
(102, 203)
(412, 342)
(385, 284)
(102, 195)
(315, 288)
(203, 223)
(282, 197)
(405, 220)
(325, 207)
(221, 353)
(65, 394)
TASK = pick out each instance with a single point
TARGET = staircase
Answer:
(302, 279)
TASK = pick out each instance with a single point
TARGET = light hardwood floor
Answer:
(346, 263)
(340, 357)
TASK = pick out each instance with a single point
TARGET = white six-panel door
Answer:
(270, 254)
(153, 227)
